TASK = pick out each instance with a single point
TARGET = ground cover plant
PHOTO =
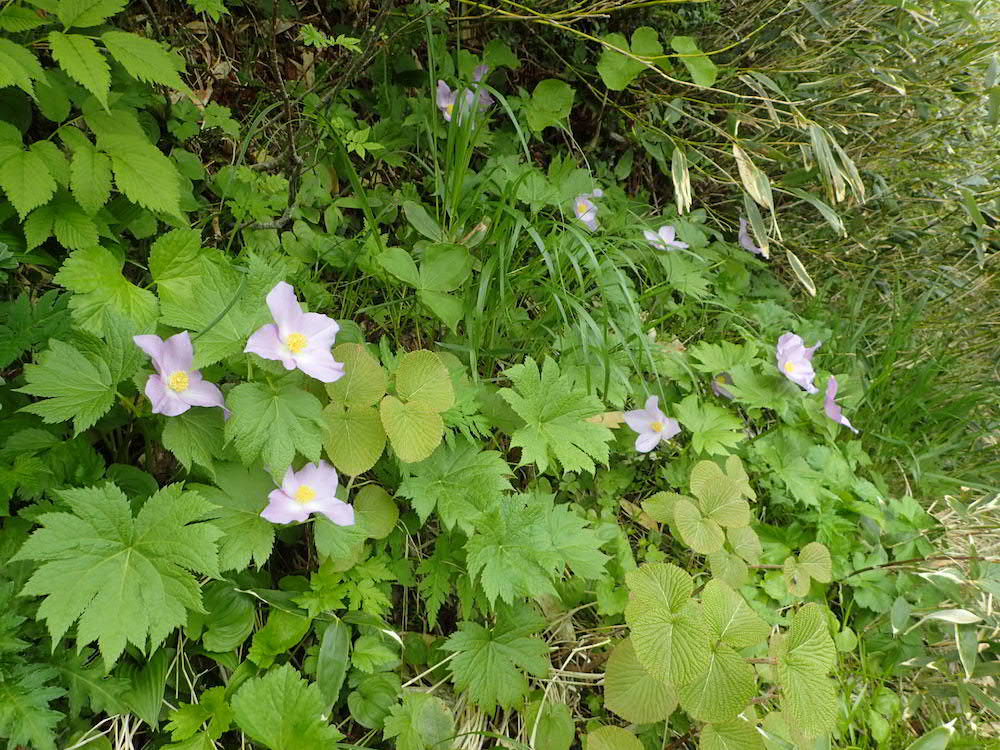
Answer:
(415, 376)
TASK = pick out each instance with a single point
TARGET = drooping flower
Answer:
(447, 99)
(795, 360)
(176, 386)
(297, 339)
(746, 241)
(586, 210)
(719, 383)
(651, 424)
(832, 409)
(664, 239)
(306, 491)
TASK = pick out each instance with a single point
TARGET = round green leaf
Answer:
(814, 559)
(745, 543)
(422, 377)
(731, 735)
(672, 646)
(805, 656)
(796, 579)
(414, 429)
(355, 438)
(377, 513)
(444, 267)
(660, 506)
(723, 689)
(729, 618)
(700, 533)
(633, 693)
(612, 738)
(728, 568)
(555, 730)
(363, 383)
(720, 496)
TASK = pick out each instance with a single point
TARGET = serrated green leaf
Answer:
(723, 690)
(146, 177)
(15, 18)
(284, 712)
(228, 620)
(145, 59)
(420, 722)
(633, 693)
(701, 534)
(729, 618)
(272, 423)
(713, 430)
(414, 430)
(731, 735)
(18, 66)
(26, 718)
(73, 386)
(805, 656)
(124, 579)
(612, 738)
(364, 380)
(90, 179)
(282, 633)
(814, 560)
(239, 495)
(422, 377)
(25, 179)
(79, 57)
(74, 229)
(668, 628)
(355, 438)
(84, 13)
(55, 159)
(195, 437)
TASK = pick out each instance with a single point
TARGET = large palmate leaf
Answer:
(195, 437)
(26, 718)
(125, 579)
(633, 693)
(731, 735)
(555, 411)
(491, 665)
(805, 656)
(713, 429)
(723, 689)
(668, 628)
(729, 618)
(422, 376)
(420, 722)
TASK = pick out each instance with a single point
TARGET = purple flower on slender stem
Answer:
(586, 210)
(651, 424)
(306, 491)
(664, 239)
(176, 386)
(464, 99)
(297, 339)
(795, 360)
(719, 383)
(832, 409)
(746, 241)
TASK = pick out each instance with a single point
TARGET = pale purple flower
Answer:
(795, 360)
(719, 383)
(664, 239)
(447, 99)
(586, 210)
(176, 386)
(832, 409)
(746, 241)
(297, 339)
(651, 424)
(309, 490)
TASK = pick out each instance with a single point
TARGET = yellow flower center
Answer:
(721, 380)
(449, 108)
(296, 342)
(789, 367)
(582, 208)
(304, 493)
(656, 427)
(178, 381)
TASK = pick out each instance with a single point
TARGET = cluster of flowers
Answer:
(299, 340)
(794, 361)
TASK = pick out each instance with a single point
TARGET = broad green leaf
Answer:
(490, 665)
(936, 739)
(398, 262)
(660, 507)
(377, 512)
(83, 62)
(805, 656)
(341, 544)
(176, 261)
(668, 628)
(333, 660)
(101, 292)
(420, 722)
(814, 559)
(422, 221)
(618, 70)
(272, 422)
(143, 173)
(720, 495)
(143, 58)
(284, 712)
(84, 13)
(551, 724)
(364, 380)
(633, 693)
(26, 719)
(729, 618)
(123, 579)
(282, 633)
(228, 620)
(701, 534)
(723, 690)
(422, 377)
(73, 228)
(73, 386)
(52, 96)
(745, 543)
(700, 66)
(25, 179)
(444, 267)
(612, 738)
(19, 66)
(796, 579)
(550, 104)
(239, 496)
(414, 429)
(355, 438)
(731, 735)
(449, 308)
(195, 437)
(55, 160)
(713, 429)
(373, 698)
(757, 184)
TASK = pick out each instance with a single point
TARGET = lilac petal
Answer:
(584, 207)
(320, 365)
(598, 193)
(202, 393)
(653, 239)
(652, 408)
(283, 509)
(590, 223)
(445, 100)
(289, 482)
(165, 401)
(153, 346)
(177, 353)
(318, 328)
(746, 241)
(337, 511)
(719, 388)
(667, 233)
(321, 478)
(679, 245)
(284, 307)
(479, 72)
(831, 407)
(637, 419)
(647, 441)
(671, 427)
(264, 342)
